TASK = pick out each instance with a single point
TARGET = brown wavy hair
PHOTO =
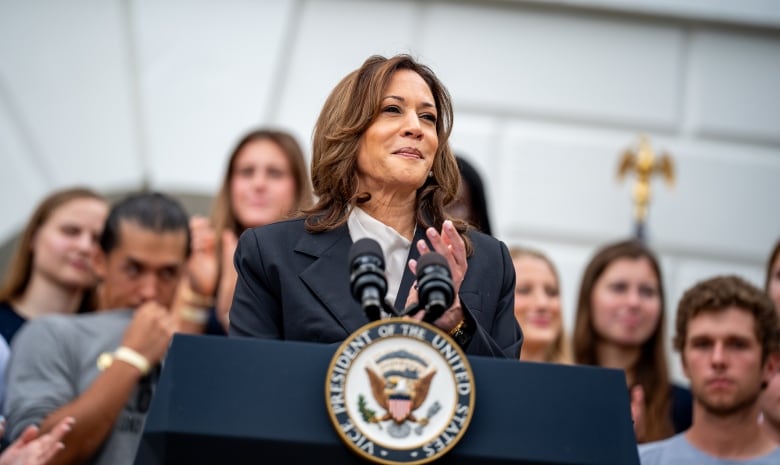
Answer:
(651, 370)
(223, 214)
(349, 110)
(721, 292)
(560, 350)
(19, 271)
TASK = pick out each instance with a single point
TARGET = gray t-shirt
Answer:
(677, 450)
(54, 360)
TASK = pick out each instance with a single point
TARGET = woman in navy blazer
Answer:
(381, 168)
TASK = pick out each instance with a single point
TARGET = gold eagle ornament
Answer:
(645, 164)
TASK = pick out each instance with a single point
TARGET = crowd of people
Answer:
(94, 293)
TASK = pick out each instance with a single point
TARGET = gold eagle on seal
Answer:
(400, 394)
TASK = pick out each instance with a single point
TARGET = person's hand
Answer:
(32, 449)
(450, 245)
(202, 269)
(638, 410)
(229, 245)
(150, 331)
(227, 281)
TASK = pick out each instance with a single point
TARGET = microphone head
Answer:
(366, 247)
(434, 285)
(367, 280)
(432, 259)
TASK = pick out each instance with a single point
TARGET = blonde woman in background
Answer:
(538, 307)
(51, 270)
(265, 181)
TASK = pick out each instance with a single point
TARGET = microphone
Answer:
(434, 285)
(367, 280)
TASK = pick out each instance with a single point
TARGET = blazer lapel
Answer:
(408, 278)
(328, 276)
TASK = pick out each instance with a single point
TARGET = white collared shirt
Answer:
(395, 247)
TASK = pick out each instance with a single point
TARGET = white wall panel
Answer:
(64, 65)
(724, 203)
(735, 85)
(206, 73)
(752, 12)
(569, 65)
(562, 181)
(22, 182)
(475, 138)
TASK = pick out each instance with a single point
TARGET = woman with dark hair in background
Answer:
(620, 324)
(265, 181)
(471, 203)
(51, 270)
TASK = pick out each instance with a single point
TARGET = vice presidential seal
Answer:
(400, 391)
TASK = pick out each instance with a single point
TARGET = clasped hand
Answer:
(450, 245)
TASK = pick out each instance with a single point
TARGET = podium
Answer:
(247, 401)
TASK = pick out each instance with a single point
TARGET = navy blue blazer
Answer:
(295, 285)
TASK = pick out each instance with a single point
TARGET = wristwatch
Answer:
(127, 355)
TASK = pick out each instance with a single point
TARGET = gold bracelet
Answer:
(458, 329)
